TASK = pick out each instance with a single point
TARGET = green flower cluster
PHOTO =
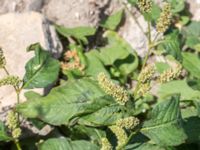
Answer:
(164, 20)
(2, 59)
(145, 5)
(112, 89)
(170, 74)
(12, 124)
(144, 79)
(105, 144)
(128, 123)
(120, 135)
(10, 80)
(146, 73)
(144, 88)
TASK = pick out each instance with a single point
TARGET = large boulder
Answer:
(17, 32)
(71, 13)
(20, 5)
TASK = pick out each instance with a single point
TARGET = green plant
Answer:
(104, 98)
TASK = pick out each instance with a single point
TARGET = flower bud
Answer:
(145, 5)
(128, 123)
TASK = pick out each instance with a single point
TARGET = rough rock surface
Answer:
(134, 34)
(78, 12)
(17, 32)
(20, 5)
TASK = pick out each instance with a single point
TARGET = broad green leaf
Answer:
(192, 34)
(66, 144)
(113, 21)
(144, 146)
(197, 105)
(3, 133)
(189, 112)
(82, 131)
(194, 83)
(184, 20)
(41, 71)
(119, 54)
(171, 45)
(178, 87)
(80, 33)
(95, 66)
(164, 127)
(71, 99)
(177, 5)
(154, 14)
(105, 116)
(31, 95)
(191, 63)
(161, 66)
(197, 47)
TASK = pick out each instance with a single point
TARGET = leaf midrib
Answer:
(36, 73)
(161, 125)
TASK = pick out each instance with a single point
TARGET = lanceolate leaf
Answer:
(94, 134)
(41, 71)
(192, 34)
(178, 87)
(191, 63)
(144, 146)
(71, 99)
(172, 45)
(80, 33)
(113, 21)
(165, 126)
(65, 144)
(95, 66)
(105, 116)
(119, 54)
(177, 5)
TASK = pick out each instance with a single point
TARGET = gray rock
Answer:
(70, 13)
(20, 5)
(134, 34)
(17, 32)
(79, 12)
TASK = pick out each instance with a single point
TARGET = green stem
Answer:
(17, 90)
(156, 36)
(149, 32)
(150, 46)
(17, 145)
(18, 101)
(6, 71)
